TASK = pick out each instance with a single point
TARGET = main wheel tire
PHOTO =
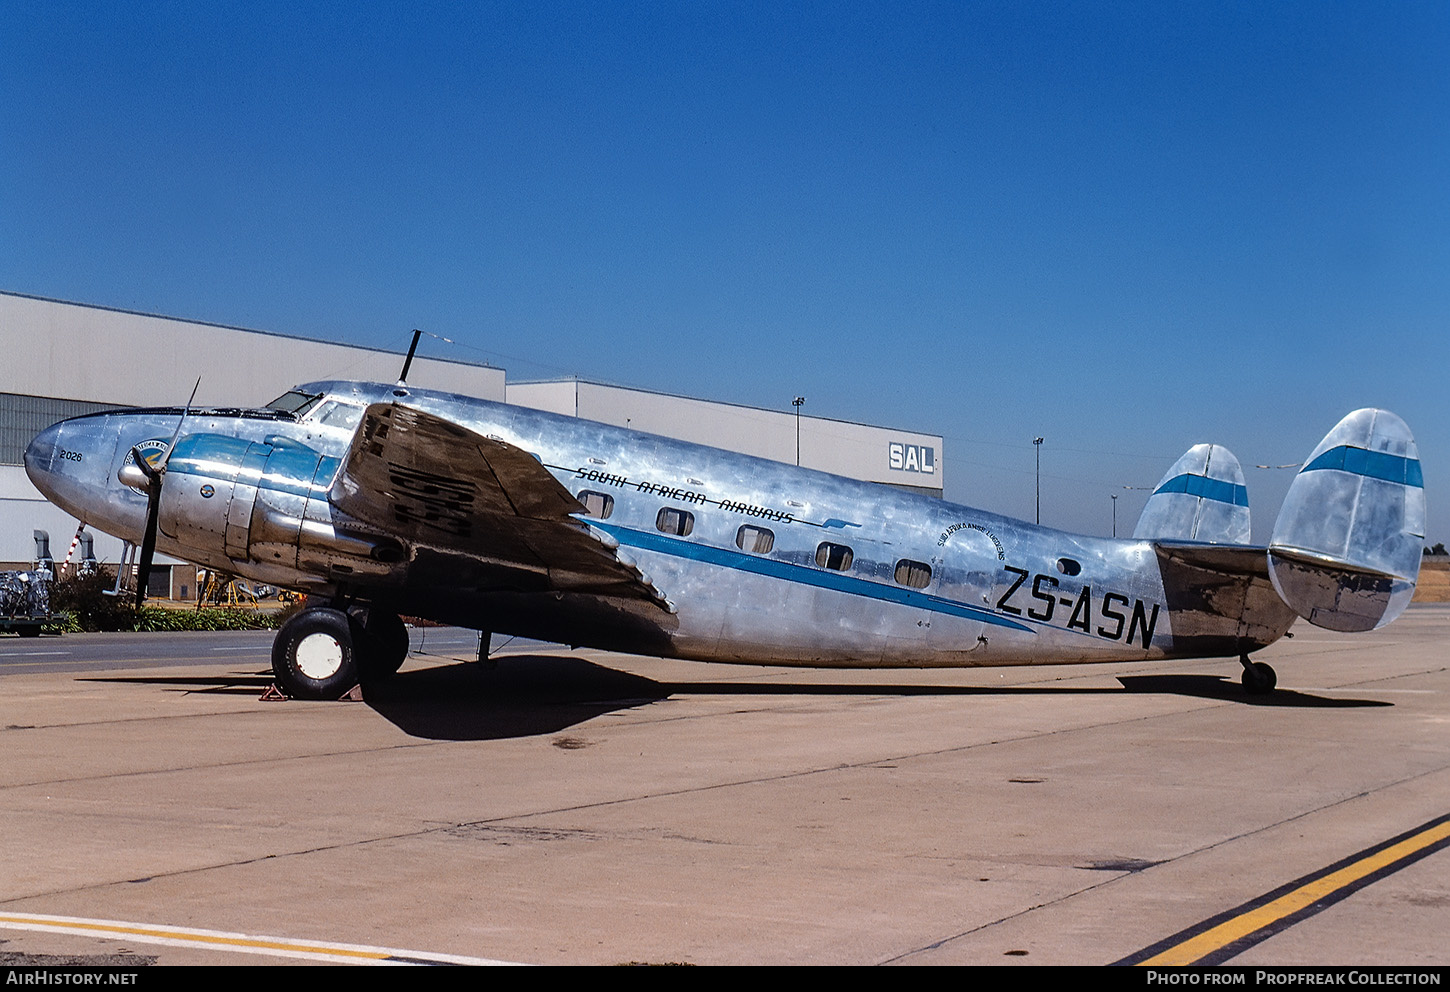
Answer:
(1259, 679)
(314, 657)
(382, 643)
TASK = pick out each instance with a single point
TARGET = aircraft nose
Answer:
(40, 457)
(69, 463)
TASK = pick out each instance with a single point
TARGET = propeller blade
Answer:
(148, 542)
(154, 475)
(146, 467)
(185, 412)
(153, 498)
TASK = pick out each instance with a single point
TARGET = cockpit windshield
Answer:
(294, 402)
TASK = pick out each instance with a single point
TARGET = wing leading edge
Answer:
(459, 494)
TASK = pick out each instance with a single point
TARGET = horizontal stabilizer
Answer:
(1251, 561)
(1346, 548)
(1201, 498)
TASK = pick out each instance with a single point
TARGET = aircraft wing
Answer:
(483, 512)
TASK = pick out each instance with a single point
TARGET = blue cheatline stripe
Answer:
(1202, 485)
(1371, 465)
(803, 574)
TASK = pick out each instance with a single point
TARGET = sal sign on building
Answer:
(911, 458)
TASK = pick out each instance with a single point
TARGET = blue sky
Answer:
(1125, 227)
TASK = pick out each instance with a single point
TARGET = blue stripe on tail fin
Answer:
(1201, 498)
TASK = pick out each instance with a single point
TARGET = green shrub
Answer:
(156, 618)
(84, 599)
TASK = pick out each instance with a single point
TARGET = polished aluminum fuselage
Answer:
(247, 492)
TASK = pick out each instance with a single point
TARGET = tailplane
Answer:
(1201, 498)
(1346, 548)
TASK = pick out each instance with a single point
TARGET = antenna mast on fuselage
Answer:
(408, 362)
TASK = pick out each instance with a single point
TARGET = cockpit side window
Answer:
(294, 402)
(334, 414)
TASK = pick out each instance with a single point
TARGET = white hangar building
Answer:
(64, 359)
(904, 459)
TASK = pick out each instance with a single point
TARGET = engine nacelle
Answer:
(227, 502)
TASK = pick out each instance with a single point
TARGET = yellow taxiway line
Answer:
(222, 940)
(1261, 918)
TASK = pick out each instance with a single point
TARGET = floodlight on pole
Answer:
(798, 402)
(1037, 444)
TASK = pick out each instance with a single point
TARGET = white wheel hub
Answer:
(319, 656)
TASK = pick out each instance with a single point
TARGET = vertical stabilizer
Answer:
(1346, 548)
(1201, 498)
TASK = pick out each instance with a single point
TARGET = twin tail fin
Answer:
(1201, 498)
(1346, 548)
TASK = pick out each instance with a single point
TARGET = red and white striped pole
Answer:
(73, 542)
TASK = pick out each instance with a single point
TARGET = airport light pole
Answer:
(1037, 444)
(798, 402)
(1141, 489)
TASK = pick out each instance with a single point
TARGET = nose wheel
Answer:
(1258, 678)
(314, 655)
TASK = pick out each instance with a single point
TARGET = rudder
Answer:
(1345, 553)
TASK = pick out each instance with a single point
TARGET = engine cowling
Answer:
(229, 501)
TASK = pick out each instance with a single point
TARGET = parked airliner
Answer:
(381, 501)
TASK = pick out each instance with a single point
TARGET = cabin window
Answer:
(599, 505)
(756, 540)
(836, 557)
(673, 521)
(1068, 567)
(916, 574)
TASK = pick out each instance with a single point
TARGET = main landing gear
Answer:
(324, 652)
(1258, 678)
